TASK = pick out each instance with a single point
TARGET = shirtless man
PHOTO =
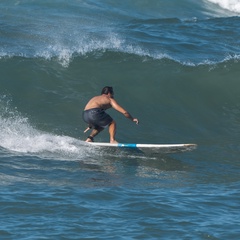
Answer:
(94, 114)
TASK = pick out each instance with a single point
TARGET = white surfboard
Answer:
(148, 148)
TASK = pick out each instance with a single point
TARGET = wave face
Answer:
(173, 64)
(170, 98)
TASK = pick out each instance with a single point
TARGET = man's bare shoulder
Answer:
(113, 101)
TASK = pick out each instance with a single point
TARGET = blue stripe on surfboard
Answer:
(129, 145)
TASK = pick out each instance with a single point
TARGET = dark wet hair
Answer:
(107, 90)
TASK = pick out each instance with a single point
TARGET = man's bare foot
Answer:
(113, 141)
(89, 139)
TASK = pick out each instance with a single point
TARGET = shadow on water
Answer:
(127, 168)
(95, 168)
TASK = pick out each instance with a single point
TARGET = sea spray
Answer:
(231, 5)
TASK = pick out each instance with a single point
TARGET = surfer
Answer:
(94, 114)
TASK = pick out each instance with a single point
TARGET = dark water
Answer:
(174, 65)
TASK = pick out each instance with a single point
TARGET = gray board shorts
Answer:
(96, 117)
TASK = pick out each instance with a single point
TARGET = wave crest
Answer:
(231, 5)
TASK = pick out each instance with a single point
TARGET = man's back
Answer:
(102, 101)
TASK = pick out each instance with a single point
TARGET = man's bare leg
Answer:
(94, 133)
(112, 132)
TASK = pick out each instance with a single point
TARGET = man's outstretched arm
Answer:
(120, 109)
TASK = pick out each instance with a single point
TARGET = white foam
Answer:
(113, 42)
(231, 5)
(17, 134)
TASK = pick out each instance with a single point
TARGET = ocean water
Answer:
(175, 65)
